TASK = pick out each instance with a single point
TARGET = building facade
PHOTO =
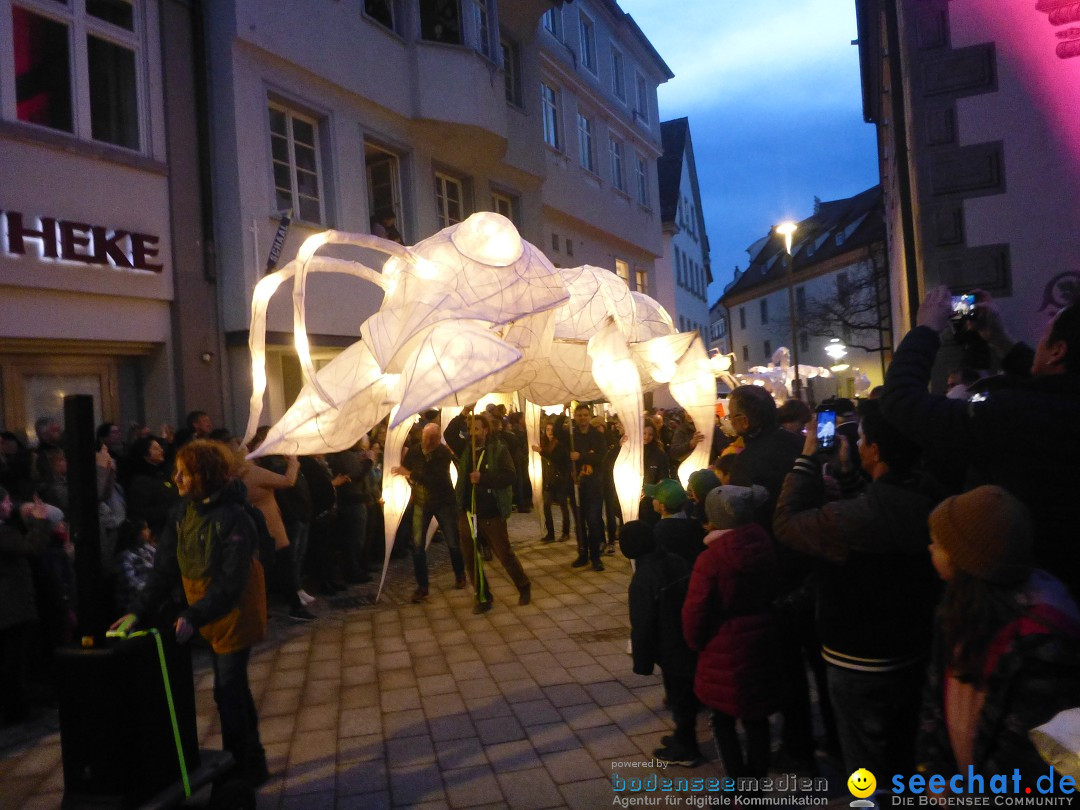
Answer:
(979, 150)
(443, 108)
(600, 139)
(837, 277)
(684, 273)
(100, 206)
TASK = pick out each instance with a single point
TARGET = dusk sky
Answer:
(772, 92)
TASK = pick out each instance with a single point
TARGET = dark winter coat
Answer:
(1039, 417)
(1034, 674)
(17, 597)
(728, 618)
(151, 494)
(877, 593)
(681, 535)
(657, 591)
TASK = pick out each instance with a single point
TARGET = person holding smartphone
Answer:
(877, 590)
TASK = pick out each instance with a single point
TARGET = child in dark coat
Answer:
(657, 590)
(727, 617)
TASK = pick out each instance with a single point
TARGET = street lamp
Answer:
(837, 351)
(787, 229)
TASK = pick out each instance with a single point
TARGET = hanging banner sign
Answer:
(279, 241)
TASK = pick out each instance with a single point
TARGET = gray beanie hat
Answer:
(728, 506)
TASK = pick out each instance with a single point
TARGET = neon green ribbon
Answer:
(172, 708)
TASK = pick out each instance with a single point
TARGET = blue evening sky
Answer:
(772, 92)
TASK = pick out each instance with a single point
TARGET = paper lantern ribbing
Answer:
(471, 310)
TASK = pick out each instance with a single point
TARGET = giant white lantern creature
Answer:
(470, 311)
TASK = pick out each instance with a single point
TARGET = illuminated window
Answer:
(622, 270)
(641, 278)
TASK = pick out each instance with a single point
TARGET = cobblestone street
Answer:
(402, 705)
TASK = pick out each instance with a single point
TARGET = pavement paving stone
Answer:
(406, 751)
(461, 753)
(443, 705)
(499, 729)
(609, 693)
(475, 688)
(467, 786)
(512, 756)
(587, 795)
(451, 727)
(408, 723)
(530, 789)
(521, 690)
(486, 708)
(607, 741)
(436, 684)
(536, 712)
(552, 737)
(360, 721)
(410, 786)
(571, 765)
(360, 696)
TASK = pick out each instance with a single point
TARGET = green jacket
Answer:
(496, 474)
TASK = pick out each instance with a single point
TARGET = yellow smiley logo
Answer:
(861, 783)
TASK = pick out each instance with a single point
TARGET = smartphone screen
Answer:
(826, 429)
(963, 306)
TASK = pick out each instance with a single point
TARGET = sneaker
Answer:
(419, 595)
(525, 595)
(305, 597)
(686, 757)
(610, 548)
(301, 614)
(481, 607)
(460, 583)
(597, 566)
(547, 538)
(580, 562)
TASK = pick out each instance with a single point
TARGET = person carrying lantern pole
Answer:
(485, 493)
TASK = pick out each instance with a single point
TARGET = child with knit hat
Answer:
(1007, 651)
(728, 619)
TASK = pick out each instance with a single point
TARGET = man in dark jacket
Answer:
(657, 590)
(1022, 433)
(355, 465)
(427, 469)
(586, 455)
(769, 455)
(876, 596)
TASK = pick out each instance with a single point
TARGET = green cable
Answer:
(172, 708)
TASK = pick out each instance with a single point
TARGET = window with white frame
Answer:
(642, 180)
(618, 78)
(618, 174)
(511, 57)
(449, 200)
(585, 142)
(641, 277)
(549, 103)
(78, 69)
(294, 150)
(384, 191)
(504, 204)
(678, 267)
(381, 11)
(552, 21)
(622, 270)
(482, 28)
(587, 33)
(641, 101)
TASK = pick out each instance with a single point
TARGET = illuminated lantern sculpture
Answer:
(471, 310)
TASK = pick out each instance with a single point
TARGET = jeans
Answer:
(877, 716)
(684, 708)
(755, 763)
(563, 501)
(446, 514)
(239, 719)
(592, 518)
(492, 529)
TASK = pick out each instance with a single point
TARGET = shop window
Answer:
(76, 69)
(294, 147)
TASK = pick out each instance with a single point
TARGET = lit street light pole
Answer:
(787, 229)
